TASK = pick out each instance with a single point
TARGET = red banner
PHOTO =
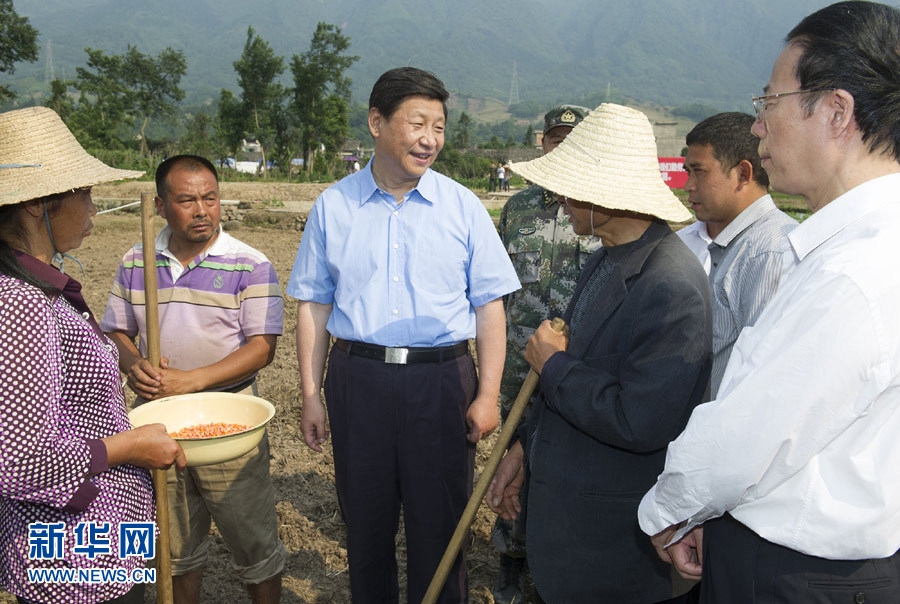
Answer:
(672, 170)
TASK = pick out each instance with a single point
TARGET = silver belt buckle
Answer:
(395, 356)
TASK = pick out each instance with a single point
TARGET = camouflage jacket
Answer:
(547, 256)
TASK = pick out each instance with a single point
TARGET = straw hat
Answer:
(609, 160)
(40, 157)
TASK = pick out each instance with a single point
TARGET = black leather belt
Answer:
(403, 356)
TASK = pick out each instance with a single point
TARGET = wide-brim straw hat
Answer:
(40, 157)
(610, 160)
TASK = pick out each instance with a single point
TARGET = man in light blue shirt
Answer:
(402, 266)
(727, 189)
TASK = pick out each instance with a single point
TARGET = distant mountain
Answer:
(670, 52)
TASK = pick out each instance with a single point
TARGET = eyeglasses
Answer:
(761, 103)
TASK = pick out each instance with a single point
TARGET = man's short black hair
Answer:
(396, 85)
(855, 46)
(729, 136)
(192, 163)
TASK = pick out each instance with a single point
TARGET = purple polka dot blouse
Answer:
(60, 393)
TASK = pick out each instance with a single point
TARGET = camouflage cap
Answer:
(564, 115)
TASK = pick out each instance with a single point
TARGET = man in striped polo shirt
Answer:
(728, 190)
(220, 314)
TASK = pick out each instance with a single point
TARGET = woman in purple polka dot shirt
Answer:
(73, 474)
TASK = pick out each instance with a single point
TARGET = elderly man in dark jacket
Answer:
(621, 382)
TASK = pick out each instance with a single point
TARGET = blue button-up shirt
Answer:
(407, 273)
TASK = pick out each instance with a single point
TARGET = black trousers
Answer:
(741, 567)
(399, 439)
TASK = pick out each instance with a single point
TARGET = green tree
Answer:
(59, 100)
(18, 42)
(198, 139)
(468, 169)
(494, 143)
(153, 85)
(257, 70)
(231, 121)
(321, 93)
(528, 141)
(103, 101)
(463, 126)
(359, 122)
(117, 90)
(286, 139)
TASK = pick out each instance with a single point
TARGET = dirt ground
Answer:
(310, 523)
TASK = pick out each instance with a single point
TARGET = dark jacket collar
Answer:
(629, 259)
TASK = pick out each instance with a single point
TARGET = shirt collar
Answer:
(850, 207)
(698, 229)
(366, 182)
(218, 248)
(751, 214)
(45, 272)
(69, 287)
(631, 256)
(550, 198)
(426, 189)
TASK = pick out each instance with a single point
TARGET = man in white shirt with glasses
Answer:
(784, 488)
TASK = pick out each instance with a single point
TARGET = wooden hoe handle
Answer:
(490, 468)
(163, 557)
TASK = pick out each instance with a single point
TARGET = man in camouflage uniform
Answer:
(547, 255)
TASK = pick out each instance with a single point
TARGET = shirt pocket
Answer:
(526, 259)
(439, 268)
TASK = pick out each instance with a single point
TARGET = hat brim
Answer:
(48, 157)
(609, 160)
